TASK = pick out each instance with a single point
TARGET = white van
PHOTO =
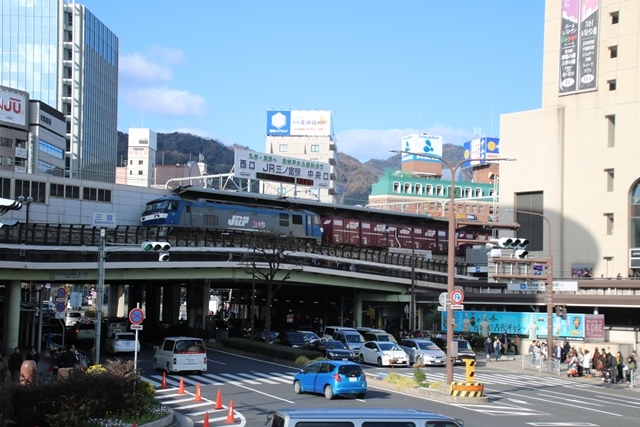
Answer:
(329, 331)
(180, 354)
(344, 417)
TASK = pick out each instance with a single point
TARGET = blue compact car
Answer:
(331, 378)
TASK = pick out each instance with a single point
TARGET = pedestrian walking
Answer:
(488, 347)
(33, 355)
(15, 362)
(497, 346)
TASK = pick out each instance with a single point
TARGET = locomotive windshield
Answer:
(160, 206)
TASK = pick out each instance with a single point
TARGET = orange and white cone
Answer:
(206, 420)
(218, 401)
(163, 384)
(198, 398)
(181, 387)
(230, 417)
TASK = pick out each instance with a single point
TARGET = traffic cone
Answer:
(230, 417)
(181, 387)
(163, 384)
(206, 420)
(198, 398)
(218, 401)
(133, 424)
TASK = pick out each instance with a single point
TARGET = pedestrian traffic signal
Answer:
(162, 247)
(470, 370)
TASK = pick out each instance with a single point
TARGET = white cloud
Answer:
(136, 67)
(367, 144)
(165, 101)
(167, 55)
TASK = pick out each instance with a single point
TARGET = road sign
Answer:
(61, 306)
(61, 293)
(457, 296)
(136, 316)
(441, 308)
(457, 307)
(136, 327)
(442, 299)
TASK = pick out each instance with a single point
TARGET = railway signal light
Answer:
(161, 247)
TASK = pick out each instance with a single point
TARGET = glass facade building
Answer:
(67, 58)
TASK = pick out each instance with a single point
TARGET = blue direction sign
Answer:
(136, 316)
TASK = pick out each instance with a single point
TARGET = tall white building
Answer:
(578, 162)
(141, 166)
(305, 135)
(62, 55)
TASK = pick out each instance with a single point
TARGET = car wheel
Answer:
(297, 388)
(379, 361)
(328, 392)
(361, 359)
(361, 395)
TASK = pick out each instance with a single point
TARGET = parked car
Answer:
(423, 351)
(464, 349)
(350, 338)
(379, 336)
(331, 378)
(293, 339)
(179, 354)
(383, 353)
(273, 334)
(121, 342)
(334, 350)
(310, 336)
(84, 329)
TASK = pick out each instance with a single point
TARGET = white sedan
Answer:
(121, 342)
(383, 353)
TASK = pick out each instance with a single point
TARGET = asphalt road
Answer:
(517, 398)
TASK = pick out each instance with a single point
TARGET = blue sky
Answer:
(386, 69)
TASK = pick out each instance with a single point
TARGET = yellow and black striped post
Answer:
(459, 389)
(470, 370)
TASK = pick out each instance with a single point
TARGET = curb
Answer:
(442, 394)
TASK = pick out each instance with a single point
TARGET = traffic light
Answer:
(161, 247)
(470, 370)
(518, 245)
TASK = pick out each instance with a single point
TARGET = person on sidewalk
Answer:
(15, 362)
(488, 347)
(497, 346)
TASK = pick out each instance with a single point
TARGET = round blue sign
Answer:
(136, 316)
(60, 307)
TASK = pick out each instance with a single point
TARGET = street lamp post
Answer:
(26, 201)
(451, 249)
(549, 288)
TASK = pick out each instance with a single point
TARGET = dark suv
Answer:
(464, 349)
(291, 339)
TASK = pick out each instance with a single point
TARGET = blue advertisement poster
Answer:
(530, 325)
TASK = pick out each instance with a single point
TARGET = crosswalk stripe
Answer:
(239, 378)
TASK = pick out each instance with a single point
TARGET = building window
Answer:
(440, 190)
(467, 192)
(610, 176)
(615, 17)
(1, 160)
(609, 223)
(282, 191)
(612, 84)
(143, 141)
(130, 171)
(634, 226)
(131, 162)
(6, 142)
(51, 149)
(315, 148)
(141, 162)
(531, 226)
(9, 161)
(407, 188)
(611, 130)
(284, 148)
(613, 51)
(396, 187)
(139, 172)
(418, 188)
(429, 190)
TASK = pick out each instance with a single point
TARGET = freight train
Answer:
(176, 211)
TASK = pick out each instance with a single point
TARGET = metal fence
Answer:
(540, 364)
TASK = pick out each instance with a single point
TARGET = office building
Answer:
(63, 56)
(577, 155)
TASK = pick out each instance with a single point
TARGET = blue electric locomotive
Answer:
(175, 211)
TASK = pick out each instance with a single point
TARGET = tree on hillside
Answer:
(269, 264)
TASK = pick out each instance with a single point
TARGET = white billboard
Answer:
(421, 144)
(299, 123)
(271, 167)
(13, 107)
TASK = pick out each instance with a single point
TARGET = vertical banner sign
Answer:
(579, 45)
(589, 15)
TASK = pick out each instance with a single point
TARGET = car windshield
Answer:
(310, 336)
(354, 338)
(384, 346)
(463, 345)
(333, 345)
(295, 337)
(428, 345)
